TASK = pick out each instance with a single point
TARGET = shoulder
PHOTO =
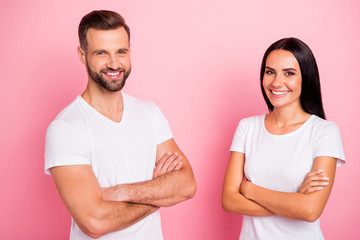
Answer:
(249, 125)
(141, 106)
(253, 121)
(71, 117)
(327, 139)
(134, 102)
(322, 126)
(246, 128)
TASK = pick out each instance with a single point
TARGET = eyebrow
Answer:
(103, 50)
(124, 49)
(289, 69)
(99, 50)
(285, 69)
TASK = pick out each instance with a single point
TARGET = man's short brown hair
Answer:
(100, 20)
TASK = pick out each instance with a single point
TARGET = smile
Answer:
(282, 93)
(113, 74)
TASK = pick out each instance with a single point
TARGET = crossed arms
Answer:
(100, 211)
(242, 196)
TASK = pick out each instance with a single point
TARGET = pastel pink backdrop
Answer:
(199, 61)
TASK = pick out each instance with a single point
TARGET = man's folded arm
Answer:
(83, 197)
(175, 184)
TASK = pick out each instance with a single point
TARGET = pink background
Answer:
(199, 61)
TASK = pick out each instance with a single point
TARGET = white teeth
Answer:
(112, 74)
(279, 93)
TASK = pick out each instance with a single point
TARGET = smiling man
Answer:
(113, 157)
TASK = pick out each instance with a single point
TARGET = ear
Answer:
(81, 55)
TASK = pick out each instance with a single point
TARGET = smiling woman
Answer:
(300, 55)
(282, 79)
(282, 164)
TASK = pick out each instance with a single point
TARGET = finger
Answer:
(163, 159)
(170, 160)
(319, 178)
(160, 164)
(179, 166)
(315, 173)
(313, 189)
(167, 161)
(173, 165)
(318, 184)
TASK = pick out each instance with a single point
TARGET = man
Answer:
(113, 158)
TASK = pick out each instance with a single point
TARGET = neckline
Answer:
(299, 129)
(100, 116)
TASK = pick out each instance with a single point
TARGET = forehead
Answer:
(280, 58)
(107, 39)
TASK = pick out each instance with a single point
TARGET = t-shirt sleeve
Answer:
(329, 143)
(162, 127)
(238, 143)
(64, 145)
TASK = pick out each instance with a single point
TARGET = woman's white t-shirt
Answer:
(281, 162)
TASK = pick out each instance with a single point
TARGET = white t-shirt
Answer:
(281, 162)
(118, 153)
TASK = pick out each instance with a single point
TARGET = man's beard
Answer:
(112, 85)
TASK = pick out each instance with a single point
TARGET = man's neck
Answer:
(109, 104)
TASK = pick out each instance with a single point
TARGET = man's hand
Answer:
(168, 162)
(314, 181)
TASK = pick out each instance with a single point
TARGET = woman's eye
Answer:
(289, 73)
(269, 72)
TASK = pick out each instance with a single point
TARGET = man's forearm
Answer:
(114, 216)
(82, 195)
(163, 191)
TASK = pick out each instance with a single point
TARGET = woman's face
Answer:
(282, 79)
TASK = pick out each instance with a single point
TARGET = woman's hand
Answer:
(314, 181)
(244, 187)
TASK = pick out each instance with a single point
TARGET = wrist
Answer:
(116, 193)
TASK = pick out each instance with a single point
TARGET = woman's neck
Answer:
(283, 121)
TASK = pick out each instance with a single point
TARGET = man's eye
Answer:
(100, 53)
(122, 52)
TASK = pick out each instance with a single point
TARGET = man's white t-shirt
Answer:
(118, 153)
(281, 162)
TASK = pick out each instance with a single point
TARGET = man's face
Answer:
(107, 58)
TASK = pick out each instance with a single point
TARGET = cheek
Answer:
(97, 64)
(125, 61)
(295, 85)
(265, 83)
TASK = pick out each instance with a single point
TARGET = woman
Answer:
(282, 164)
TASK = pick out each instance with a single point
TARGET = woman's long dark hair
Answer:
(310, 88)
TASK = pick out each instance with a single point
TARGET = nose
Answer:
(277, 81)
(112, 62)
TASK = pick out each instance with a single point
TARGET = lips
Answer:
(113, 74)
(279, 93)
